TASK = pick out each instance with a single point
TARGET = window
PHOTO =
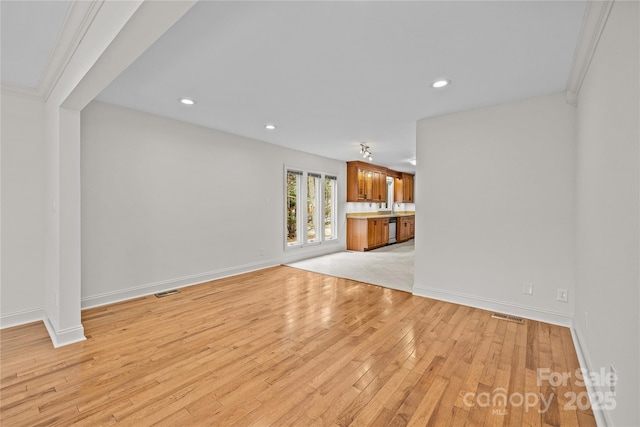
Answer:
(330, 199)
(311, 208)
(314, 208)
(294, 184)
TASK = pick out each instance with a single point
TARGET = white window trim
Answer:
(302, 213)
(334, 212)
(299, 218)
(319, 208)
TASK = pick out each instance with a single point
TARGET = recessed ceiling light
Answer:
(440, 83)
(187, 101)
(270, 127)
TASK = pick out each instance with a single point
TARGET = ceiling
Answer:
(331, 75)
(29, 33)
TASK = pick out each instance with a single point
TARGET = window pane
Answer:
(292, 208)
(329, 208)
(312, 208)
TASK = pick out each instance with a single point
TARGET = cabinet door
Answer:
(368, 185)
(384, 231)
(404, 229)
(413, 227)
(379, 186)
(397, 191)
(404, 188)
(375, 193)
(362, 190)
(408, 196)
(372, 233)
(378, 232)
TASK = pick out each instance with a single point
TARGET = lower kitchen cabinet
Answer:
(367, 233)
(406, 228)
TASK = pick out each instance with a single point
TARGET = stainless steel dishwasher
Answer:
(393, 224)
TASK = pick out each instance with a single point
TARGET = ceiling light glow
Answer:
(413, 162)
(440, 83)
(187, 101)
(270, 126)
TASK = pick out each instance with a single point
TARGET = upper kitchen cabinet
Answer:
(403, 188)
(366, 182)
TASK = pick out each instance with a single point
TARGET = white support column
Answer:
(119, 34)
(63, 290)
(69, 173)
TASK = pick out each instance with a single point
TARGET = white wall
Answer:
(23, 210)
(165, 203)
(608, 212)
(495, 207)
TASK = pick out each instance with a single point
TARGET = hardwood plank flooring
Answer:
(283, 346)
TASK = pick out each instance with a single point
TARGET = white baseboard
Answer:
(547, 316)
(296, 254)
(64, 336)
(165, 285)
(21, 318)
(603, 419)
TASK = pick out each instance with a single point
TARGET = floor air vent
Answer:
(166, 293)
(508, 318)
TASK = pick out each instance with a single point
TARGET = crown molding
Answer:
(595, 19)
(21, 91)
(78, 20)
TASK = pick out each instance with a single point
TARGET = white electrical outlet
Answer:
(527, 288)
(563, 295)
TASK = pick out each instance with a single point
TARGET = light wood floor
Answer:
(288, 347)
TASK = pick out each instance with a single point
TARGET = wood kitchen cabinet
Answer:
(380, 230)
(379, 186)
(366, 182)
(367, 233)
(403, 188)
(406, 228)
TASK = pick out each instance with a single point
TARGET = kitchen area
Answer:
(380, 206)
(380, 226)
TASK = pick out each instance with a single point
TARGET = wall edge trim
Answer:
(22, 317)
(603, 419)
(165, 285)
(542, 315)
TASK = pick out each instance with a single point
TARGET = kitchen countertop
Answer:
(367, 215)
